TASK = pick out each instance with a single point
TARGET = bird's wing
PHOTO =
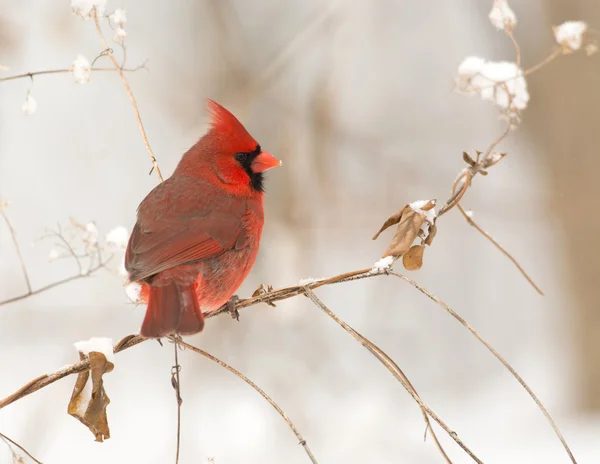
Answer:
(180, 221)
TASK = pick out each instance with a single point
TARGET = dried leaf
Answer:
(413, 258)
(408, 229)
(89, 399)
(431, 235)
(467, 158)
(393, 219)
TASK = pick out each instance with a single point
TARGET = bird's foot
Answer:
(235, 314)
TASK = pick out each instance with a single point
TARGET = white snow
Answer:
(570, 34)
(81, 70)
(429, 214)
(119, 17)
(308, 281)
(90, 237)
(118, 237)
(84, 8)
(133, 291)
(53, 255)
(102, 345)
(29, 106)
(382, 264)
(491, 80)
(502, 17)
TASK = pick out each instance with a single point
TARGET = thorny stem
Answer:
(259, 390)
(396, 372)
(497, 355)
(18, 250)
(130, 93)
(10, 442)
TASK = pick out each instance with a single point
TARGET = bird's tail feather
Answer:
(172, 309)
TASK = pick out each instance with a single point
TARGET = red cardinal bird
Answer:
(197, 233)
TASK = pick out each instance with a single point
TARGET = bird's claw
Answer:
(235, 314)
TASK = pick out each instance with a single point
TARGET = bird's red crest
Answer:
(229, 130)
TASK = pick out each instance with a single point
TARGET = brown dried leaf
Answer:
(389, 222)
(408, 229)
(413, 258)
(431, 234)
(89, 399)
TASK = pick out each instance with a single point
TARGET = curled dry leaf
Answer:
(409, 227)
(263, 290)
(413, 258)
(89, 399)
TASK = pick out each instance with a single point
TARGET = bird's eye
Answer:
(241, 157)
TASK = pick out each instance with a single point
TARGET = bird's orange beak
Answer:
(264, 161)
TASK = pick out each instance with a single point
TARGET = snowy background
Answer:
(355, 98)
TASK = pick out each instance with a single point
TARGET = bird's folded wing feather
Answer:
(180, 222)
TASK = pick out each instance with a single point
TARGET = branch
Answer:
(496, 355)
(55, 284)
(400, 376)
(130, 93)
(16, 457)
(17, 249)
(258, 389)
(32, 74)
(470, 220)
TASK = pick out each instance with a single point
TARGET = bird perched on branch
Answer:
(197, 233)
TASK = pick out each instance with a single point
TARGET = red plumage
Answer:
(197, 233)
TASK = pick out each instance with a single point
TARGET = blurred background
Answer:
(355, 98)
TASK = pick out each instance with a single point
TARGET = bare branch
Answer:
(10, 442)
(17, 249)
(177, 387)
(54, 284)
(502, 249)
(130, 93)
(258, 389)
(496, 355)
(32, 74)
(396, 372)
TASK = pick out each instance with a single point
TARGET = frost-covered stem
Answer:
(497, 355)
(130, 93)
(258, 389)
(18, 250)
(17, 458)
(555, 54)
(497, 245)
(397, 373)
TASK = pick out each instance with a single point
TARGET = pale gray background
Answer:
(355, 98)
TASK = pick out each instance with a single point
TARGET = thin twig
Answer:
(502, 249)
(8, 441)
(17, 249)
(259, 390)
(396, 372)
(62, 71)
(496, 355)
(177, 386)
(130, 93)
(511, 36)
(54, 284)
(555, 54)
